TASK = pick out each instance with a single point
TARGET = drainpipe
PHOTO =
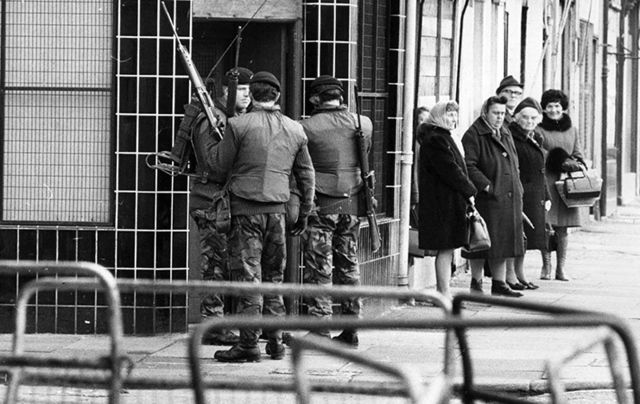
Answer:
(618, 140)
(406, 155)
(605, 79)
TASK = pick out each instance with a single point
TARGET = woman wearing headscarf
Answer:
(535, 199)
(492, 163)
(445, 190)
(560, 139)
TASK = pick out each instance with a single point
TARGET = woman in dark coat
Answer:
(535, 199)
(492, 163)
(445, 190)
(560, 139)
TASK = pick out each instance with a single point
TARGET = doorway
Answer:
(269, 46)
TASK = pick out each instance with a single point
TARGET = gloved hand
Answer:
(300, 226)
(471, 200)
(547, 205)
(571, 165)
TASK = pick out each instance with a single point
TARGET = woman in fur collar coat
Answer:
(560, 139)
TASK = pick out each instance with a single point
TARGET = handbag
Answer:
(477, 233)
(414, 236)
(582, 184)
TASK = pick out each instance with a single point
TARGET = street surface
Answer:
(603, 262)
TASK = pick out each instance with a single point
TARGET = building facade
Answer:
(90, 89)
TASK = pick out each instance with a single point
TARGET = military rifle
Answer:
(232, 88)
(177, 161)
(369, 180)
(196, 80)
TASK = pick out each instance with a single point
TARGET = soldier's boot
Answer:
(275, 349)
(221, 337)
(239, 353)
(561, 256)
(545, 272)
(348, 337)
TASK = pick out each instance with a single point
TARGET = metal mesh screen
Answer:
(57, 111)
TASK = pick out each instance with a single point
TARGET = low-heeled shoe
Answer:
(499, 288)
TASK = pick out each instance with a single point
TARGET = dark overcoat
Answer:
(493, 161)
(444, 190)
(531, 156)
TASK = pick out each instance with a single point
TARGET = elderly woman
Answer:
(492, 163)
(560, 139)
(445, 190)
(535, 199)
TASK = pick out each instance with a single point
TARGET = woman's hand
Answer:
(547, 205)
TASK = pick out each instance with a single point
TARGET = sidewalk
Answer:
(604, 263)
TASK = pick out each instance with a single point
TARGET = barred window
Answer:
(56, 111)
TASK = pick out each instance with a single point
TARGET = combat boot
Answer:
(221, 337)
(349, 337)
(545, 273)
(238, 353)
(275, 349)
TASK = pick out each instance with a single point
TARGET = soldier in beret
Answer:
(214, 258)
(259, 152)
(331, 241)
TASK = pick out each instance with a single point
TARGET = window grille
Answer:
(56, 111)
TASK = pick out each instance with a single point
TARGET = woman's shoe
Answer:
(528, 285)
(476, 286)
(517, 285)
(499, 288)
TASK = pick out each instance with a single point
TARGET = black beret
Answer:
(528, 103)
(266, 77)
(244, 76)
(554, 96)
(508, 81)
(325, 83)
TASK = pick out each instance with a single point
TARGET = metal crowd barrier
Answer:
(452, 323)
(607, 339)
(412, 383)
(27, 368)
(564, 317)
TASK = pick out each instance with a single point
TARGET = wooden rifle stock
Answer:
(368, 179)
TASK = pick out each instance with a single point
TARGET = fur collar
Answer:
(552, 125)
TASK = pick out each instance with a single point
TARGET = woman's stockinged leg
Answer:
(443, 271)
(498, 269)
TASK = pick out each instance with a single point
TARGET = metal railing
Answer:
(24, 366)
(19, 361)
(564, 317)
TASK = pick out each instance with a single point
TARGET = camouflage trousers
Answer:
(331, 257)
(214, 261)
(258, 254)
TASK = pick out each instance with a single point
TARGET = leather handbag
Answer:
(582, 184)
(414, 236)
(477, 233)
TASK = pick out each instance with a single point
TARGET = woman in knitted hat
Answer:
(535, 198)
(560, 138)
(445, 190)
